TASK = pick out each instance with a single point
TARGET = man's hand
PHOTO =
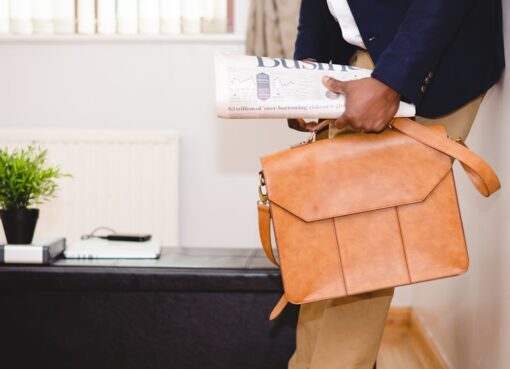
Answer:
(370, 105)
(301, 125)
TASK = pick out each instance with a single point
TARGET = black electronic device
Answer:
(127, 237)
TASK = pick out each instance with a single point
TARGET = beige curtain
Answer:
(272, 28)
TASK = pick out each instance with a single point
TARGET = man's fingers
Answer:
(334, 84)
(342, 122)
(299, 124)
(310, 126)
(306, 126)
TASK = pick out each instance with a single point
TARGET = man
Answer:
(442, 56)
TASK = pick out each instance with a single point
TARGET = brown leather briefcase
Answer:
(363, 212)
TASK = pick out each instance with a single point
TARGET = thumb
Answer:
(342, 122)
(334, 84)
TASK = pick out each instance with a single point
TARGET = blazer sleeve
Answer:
(312, 39)
(407, 64)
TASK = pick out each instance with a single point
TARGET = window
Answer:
(109, 17)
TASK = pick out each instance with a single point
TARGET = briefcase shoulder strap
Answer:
(264, 216)
(481, 174)
(265, 231)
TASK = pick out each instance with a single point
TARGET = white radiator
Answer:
(126, 180)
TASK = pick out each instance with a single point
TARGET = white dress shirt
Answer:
(342, 13)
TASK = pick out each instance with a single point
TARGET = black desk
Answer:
(193, 308)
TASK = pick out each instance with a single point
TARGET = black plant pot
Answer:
(19, 225)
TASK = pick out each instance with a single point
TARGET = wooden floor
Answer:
(404, 345)
(401, 350)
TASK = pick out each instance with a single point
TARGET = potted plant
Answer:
(25, 180)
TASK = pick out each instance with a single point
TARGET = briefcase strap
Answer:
(265, 231)
(480, 173)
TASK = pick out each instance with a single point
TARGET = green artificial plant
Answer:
(25, 177)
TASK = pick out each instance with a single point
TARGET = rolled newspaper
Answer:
(260, 87)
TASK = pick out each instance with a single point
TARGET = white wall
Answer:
(469, 316)
(150, 85)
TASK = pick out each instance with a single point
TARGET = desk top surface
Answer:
(194, 268)
(184, 257)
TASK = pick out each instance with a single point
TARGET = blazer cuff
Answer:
(412, 86)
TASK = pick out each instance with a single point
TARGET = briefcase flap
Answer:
(353, 173)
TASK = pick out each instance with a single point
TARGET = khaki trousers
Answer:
(345, 333)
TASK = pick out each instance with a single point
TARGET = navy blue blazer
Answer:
(438, 54)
